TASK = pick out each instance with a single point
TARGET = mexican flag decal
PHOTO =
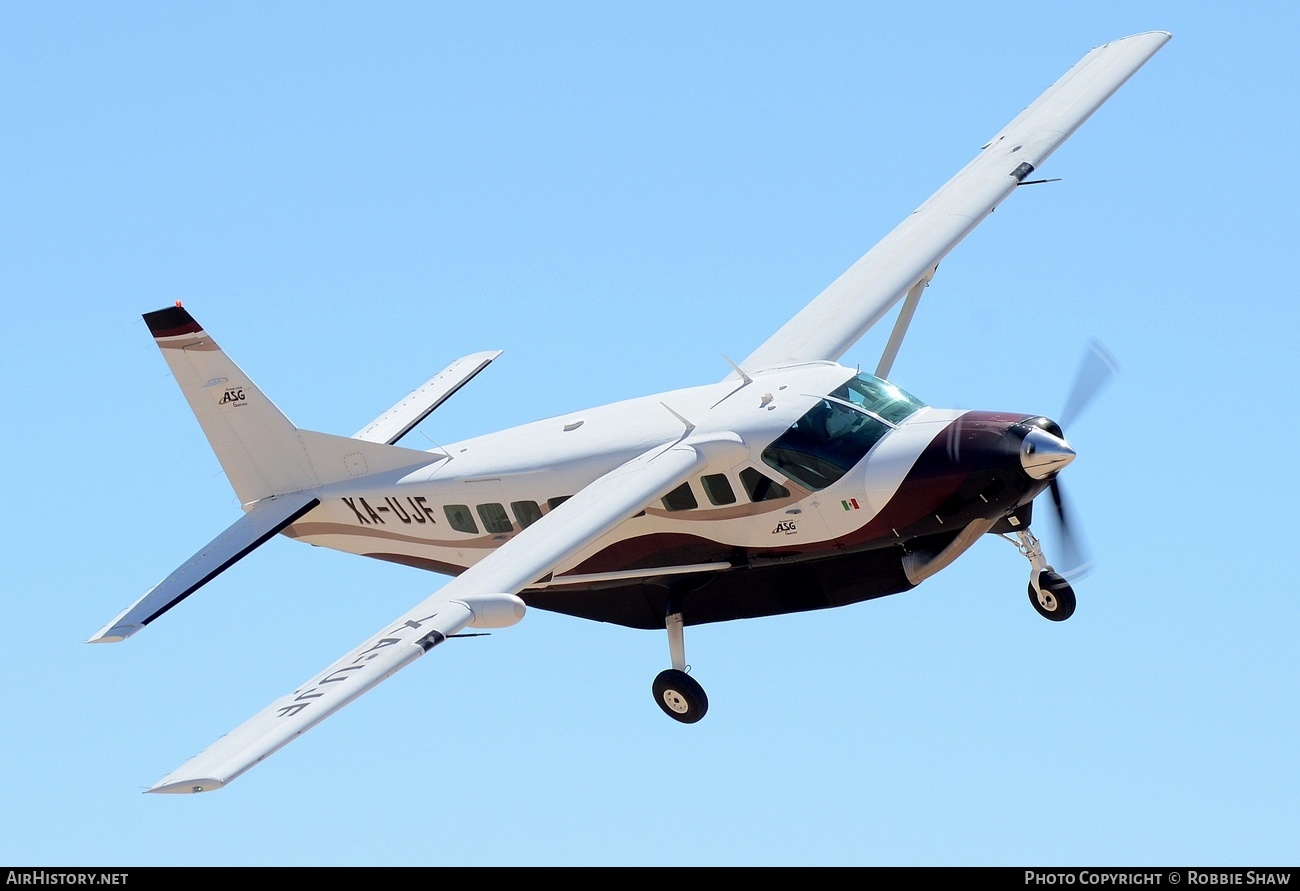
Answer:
(851, 504)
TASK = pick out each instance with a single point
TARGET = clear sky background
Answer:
(349, 196)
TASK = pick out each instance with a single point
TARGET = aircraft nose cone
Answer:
(1042, 454)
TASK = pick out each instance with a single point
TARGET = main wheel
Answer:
(1054, 598)
(680, 696)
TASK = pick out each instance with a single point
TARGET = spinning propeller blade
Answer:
(1075, 562)
(1095, 371)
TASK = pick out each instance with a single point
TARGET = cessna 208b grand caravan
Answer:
(658, 512)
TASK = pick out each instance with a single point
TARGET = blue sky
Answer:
(350, 196)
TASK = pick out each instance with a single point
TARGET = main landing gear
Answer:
(1049, 592)
(677, 693)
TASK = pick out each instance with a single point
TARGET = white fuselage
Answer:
(489, 484)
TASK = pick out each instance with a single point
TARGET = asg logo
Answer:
(785, 526)
(233, 396)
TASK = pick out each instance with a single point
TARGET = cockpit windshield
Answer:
(839, 430)
(880, 397)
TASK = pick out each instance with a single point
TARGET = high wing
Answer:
(482, 596)
(906, 258)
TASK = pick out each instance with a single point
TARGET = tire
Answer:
(1054, 598)
(680, 696)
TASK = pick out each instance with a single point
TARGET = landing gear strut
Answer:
(677, 693)
(1049, 592)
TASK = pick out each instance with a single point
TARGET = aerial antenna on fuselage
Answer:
(437, 445)
(689, 425)
(740, 371)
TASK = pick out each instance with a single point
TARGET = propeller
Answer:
(1095, 371)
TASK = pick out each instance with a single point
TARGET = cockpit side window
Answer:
(824, 444)
(838, 431)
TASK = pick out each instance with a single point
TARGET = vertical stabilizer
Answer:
(257, 445)
(261, 451)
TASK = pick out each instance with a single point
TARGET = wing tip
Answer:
(185, 787)
(113, 633)
(1163, 37)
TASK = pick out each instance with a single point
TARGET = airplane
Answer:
(793, 483)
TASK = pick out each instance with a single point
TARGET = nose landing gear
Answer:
(1049, 592)
(1052, 596)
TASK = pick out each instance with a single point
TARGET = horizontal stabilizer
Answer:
(263, 520)
(398, 421)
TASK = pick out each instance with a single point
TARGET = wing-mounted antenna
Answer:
(900, 325)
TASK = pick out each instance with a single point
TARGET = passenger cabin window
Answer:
(494, 518)
(460, 518)
(526, 512)
(838, 431)
(553, 503)
(761, 488)
(717, 488)
(681, 498)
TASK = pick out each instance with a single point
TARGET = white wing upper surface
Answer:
(481, 596)
(828, 326)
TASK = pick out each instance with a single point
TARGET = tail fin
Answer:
(264, 456)
(261, 451)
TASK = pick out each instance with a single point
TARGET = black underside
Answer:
(973, 473)
(762, 590)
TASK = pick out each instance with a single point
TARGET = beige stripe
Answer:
(188, 342)
(303, 530)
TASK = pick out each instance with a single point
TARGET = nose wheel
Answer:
(679, 695)
(1049, 593)
(1052, 596)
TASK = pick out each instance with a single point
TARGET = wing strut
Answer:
(900, 326)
